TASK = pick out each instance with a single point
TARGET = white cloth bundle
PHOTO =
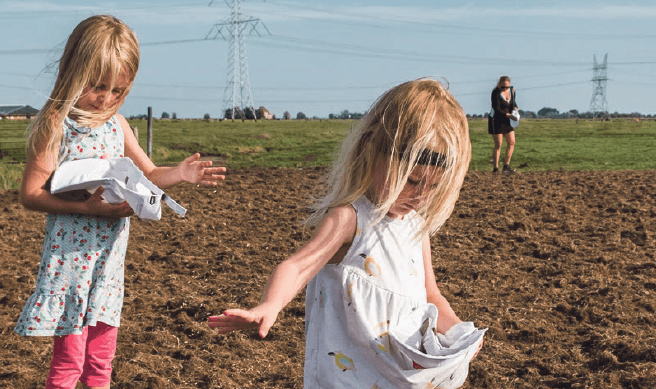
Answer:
(446, 357)
(514, 119)
(122, 181)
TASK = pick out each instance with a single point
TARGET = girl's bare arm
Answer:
(292, 275)
(447, 317)
(190, 170)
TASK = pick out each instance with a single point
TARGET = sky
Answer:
(322, 57)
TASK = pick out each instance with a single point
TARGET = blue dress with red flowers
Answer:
(80, 280)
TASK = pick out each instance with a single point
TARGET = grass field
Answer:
(541, 144)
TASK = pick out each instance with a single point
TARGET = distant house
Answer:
(265, 113)
(17, 112)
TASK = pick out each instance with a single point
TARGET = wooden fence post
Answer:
(150, 132)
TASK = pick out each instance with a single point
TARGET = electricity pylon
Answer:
(598, 103)
(237, 93)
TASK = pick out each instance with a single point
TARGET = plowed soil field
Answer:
(558, 265)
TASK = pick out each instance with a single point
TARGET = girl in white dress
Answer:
(375, 317)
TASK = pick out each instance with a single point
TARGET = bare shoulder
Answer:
(344, 213)
(122, 121)
(342, 220)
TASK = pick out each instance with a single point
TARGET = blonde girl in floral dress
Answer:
(375, 317)
(79, 287)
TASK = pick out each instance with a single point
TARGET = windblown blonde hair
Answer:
(407, 122)
(98, 46)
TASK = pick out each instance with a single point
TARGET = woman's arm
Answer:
(496, 101)
(292, 275)
(190, 170)
(447, 318)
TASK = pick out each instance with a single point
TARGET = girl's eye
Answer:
(413, 182)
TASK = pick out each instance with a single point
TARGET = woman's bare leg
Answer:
(496, 153)
(510, 146)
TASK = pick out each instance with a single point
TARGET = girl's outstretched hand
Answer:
(200, 172)
(239, 319)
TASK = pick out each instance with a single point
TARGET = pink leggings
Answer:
(86, 357)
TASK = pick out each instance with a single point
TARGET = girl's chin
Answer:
(399, 212)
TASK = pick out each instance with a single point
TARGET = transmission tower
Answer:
(598, 103)
(237, 93)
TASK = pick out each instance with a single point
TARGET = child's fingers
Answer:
(232, 317)
(266, 326)
(215, 170)
(98, 193)
(126, 210)
(211, 180)
(192, 158)
(238, 319)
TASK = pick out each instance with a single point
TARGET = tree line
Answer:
(553, 113)
(544, 113)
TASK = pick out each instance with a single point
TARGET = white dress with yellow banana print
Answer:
(368, 322)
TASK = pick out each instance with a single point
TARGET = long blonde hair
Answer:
(98, 46)
(406, 124)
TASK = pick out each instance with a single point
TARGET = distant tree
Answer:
(259, 113)
(174, 116)
(165, 115)
(206, 116)
(301, 116)
(239, 113)
(286, 115)
(332, 116)
(547, 112)
(249, 113)
(527, 114)
(345, 114)
(574, 112)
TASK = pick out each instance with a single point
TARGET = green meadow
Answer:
(541, 144)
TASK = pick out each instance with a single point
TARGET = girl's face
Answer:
(421, 182)
(98, 98)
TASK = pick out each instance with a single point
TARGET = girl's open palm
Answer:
(240, 319)
(200, 172)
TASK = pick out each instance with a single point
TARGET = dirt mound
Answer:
(558, 265)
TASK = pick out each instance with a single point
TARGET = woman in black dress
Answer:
(503, 104)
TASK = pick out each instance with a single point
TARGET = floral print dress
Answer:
(80, 280)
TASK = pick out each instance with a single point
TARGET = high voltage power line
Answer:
(598, 103)
(441, 25)
(394, 24)
(296, 43)
(237, 94)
